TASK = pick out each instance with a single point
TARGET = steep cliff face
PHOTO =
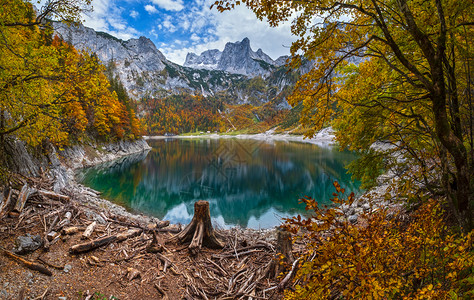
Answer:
(208, 60)
(145, 71)
(135, 54)
(138, 63)
(58, 165)
(237, 58)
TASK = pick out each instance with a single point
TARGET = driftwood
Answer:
(53, 195)
(29, 264)
(70, 230)
(79, 248)
(66, 220)
(84, 247)
(200, 231)
(89, 230)
(25, 193)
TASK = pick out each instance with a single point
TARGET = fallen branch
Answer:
(43, 295)
(29, 264)
(284, 282)
(50, 264)
(236, 254)
(162, 292)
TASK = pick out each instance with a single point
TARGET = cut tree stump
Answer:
(283, 248)
(200, 231)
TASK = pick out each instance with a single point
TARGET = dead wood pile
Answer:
(242, 267)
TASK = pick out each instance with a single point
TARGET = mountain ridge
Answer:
(236, 58)
(145, 72)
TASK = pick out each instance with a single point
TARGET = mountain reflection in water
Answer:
(250, 183)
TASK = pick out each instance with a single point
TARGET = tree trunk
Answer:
(283, 249)
(200, 231)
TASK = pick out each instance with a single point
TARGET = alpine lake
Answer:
(249, 183)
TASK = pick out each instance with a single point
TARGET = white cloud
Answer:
(207, 29)
(169, 27)
(185, 24)
(107, 17)
(195, 37)
(171, 5)
(151, 9)
(216, 29)
(134, 14)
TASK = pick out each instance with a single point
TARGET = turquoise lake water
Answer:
(250, 183)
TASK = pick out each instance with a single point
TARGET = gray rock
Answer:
(237, 58)
(366, 206)
(352, 219)
(28, 243)
(67, 268)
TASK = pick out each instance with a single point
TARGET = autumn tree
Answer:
(395, 71)
(383, 258)
(29, 68)
(48, 89)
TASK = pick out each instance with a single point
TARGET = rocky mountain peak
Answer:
(236, 58)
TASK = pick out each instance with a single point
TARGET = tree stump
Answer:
(283, 248)
(200, 231)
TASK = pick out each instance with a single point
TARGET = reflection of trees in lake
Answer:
(246, 177)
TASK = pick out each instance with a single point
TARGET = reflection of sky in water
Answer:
(247, 183)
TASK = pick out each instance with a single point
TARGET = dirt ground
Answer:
(127, 269)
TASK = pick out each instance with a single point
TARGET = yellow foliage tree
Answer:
(48, 90)
(381, 257)
(395, 71)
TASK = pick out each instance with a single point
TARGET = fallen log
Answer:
(70, 230)
(88, 246)
(53, 195)
(150, 227)
(29, 264)
(84, 247)
(122, 236)
(200, 231)
(66, 220)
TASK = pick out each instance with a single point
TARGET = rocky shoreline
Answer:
(79, 157)
(128, 269)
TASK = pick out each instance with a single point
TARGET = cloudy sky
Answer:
(181, 26)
